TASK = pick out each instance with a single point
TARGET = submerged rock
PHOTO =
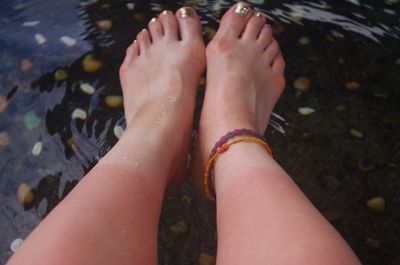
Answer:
(376, 204)
(16, 244)
(40, 39)
(114, 101)
(26, 65)
(60, 75)
(31, 23)
(79, 114)
(25, 194)
(352, 86)
(304, 40)
(90, 64)
(372, 243)
(68, 41)
(4, 139)
(356, 133)
(179, 228)
(87, 88)
(130, 6)
(306, 111)
(104, 25)
(31, 120)
(37, 148)
(302, 84)
(118, 131)
(73, 144)
(3, 103)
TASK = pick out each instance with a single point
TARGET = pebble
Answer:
(90, 64)
(302, 84)
(376, 204)
(60, 75)
(15, 244)
(179, 228)
(114, 101)
(73, 144)
(37, 148)
(25, 194)
(26, 65)
(68, 41)
(104, 25)
(3, 103)
(372, 243)
(340, 108)
(352, 86)
(31, 120)
(4, 139)
(118, 131)
(356, 133)
(31, 23)
(306, 111)
(79, 114)
(205, 259)
(130, 6)
(304, 41)
(397, 61)
(40, 39)
(87, 88)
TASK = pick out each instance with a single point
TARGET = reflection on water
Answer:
(60, 104)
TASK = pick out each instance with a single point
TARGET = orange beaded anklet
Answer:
(208, 176)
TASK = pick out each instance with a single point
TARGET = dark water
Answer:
(331, 43)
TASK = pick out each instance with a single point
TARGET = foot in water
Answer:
(245, 77)
(159, 78)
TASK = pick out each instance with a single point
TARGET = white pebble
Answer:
(79, 114)
(37, 148)
(16, 244)
(40, 39)
(306, 111)
(31, 23)
(304, 41)
(87, 88)
(130, 6)
(118, 131)
(68, 41)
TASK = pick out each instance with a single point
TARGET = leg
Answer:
(111, 217)
(262, 216)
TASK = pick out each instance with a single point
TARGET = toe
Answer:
(254, 27)
(234, 21)
(265, 37)
(144, 40)
(156, 30)
(189, 24)
(169, 24)
(279, 64)
(271, 52)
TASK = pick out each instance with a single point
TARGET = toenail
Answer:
(135, 41)
(144, 30)
(153, 20)
(258, 14)
(185, 12)
(165, 12)
(242, 9)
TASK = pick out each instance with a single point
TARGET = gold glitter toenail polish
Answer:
(153, 19)
(144, 30)
(165, 12)
(185, 12)
(242, 9)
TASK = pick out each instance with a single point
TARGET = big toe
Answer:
(235, 19)
(189, 24)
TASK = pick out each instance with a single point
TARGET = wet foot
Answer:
(159, 79)
(245, 77)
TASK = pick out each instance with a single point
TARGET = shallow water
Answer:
(330, 43)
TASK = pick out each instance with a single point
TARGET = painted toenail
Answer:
(153, 20)
(242, 9)
(185, 12)
(135, 41)
(144, 30)
(165, 12)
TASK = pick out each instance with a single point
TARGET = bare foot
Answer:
(159, 79)
(245, 77)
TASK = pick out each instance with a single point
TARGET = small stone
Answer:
(352, 86)
(31, 120)
(209, 33)
(340, 108)
(114, 101)
(333, 215)
(376, 204)
(90, 64)
(118, 131)
(372, 243)
(73, 144)
(306, 111)
(15, 244)
(40, 39)
(3, 103)
(104, 25)
(87, 88)
(37, 148)
(302, 84)
(341, 60)
(26, 65)
(4, 139)
(205, 259)
(60, 75)
(31, 23)
(25, 194)
(68, 41)
(179, 228)
(130, 6)
(356, 133)
(79, 114)
(304, 40)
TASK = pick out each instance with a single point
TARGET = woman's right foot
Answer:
(245, 77)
